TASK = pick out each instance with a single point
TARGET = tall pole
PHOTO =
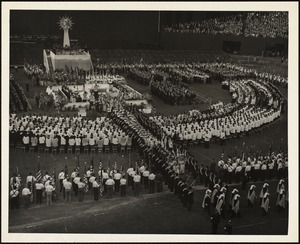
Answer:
(158, 30)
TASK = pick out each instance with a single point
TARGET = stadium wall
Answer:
(190, 41)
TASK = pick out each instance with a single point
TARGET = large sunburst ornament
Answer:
(65, 23)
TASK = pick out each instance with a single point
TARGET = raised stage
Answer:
(60, 60)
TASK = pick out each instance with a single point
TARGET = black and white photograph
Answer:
(150, 122)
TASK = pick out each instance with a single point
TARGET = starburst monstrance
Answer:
(65, 23)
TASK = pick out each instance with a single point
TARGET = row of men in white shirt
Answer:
(28, 121)
(48, 136)
(262, 163)
(63, 140)
(70, 127)
(115, 174)
(251, 119)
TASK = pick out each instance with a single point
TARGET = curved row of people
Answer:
(238, 71)
(218, 70)
(240, 120)
(172, 94)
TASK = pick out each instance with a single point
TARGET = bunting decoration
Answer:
(39, 172)
(86, 188)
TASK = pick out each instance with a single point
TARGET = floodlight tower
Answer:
(65, 23)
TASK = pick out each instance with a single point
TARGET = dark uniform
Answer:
(206, 201)
(228, 228)
(201, 175)
(176, 181)
(190, 199)
(185, 193)
(215, 221)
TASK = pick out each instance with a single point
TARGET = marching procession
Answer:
(156, 176)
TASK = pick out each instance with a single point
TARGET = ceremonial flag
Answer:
(108, 166)
(86, 188)
(77, 164)
(129, 158)
(115, 162)
(100, 178)
(18, 175)
(66, 167)
(101, 171)
(67, 69)
(54, 175)
(281, 145)
(92, 162)
(270, 150)
(243, 153)
(39, 172)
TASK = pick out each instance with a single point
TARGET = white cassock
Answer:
(281, 200)
(182, 166)
(251, 195)
(219, 205)
(205, 197)
(236, 204)
(265, 203)
(215, 191)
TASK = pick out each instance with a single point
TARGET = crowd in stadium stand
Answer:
(231, 25)
(267, 24)
(253, 24)
(34, 38)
